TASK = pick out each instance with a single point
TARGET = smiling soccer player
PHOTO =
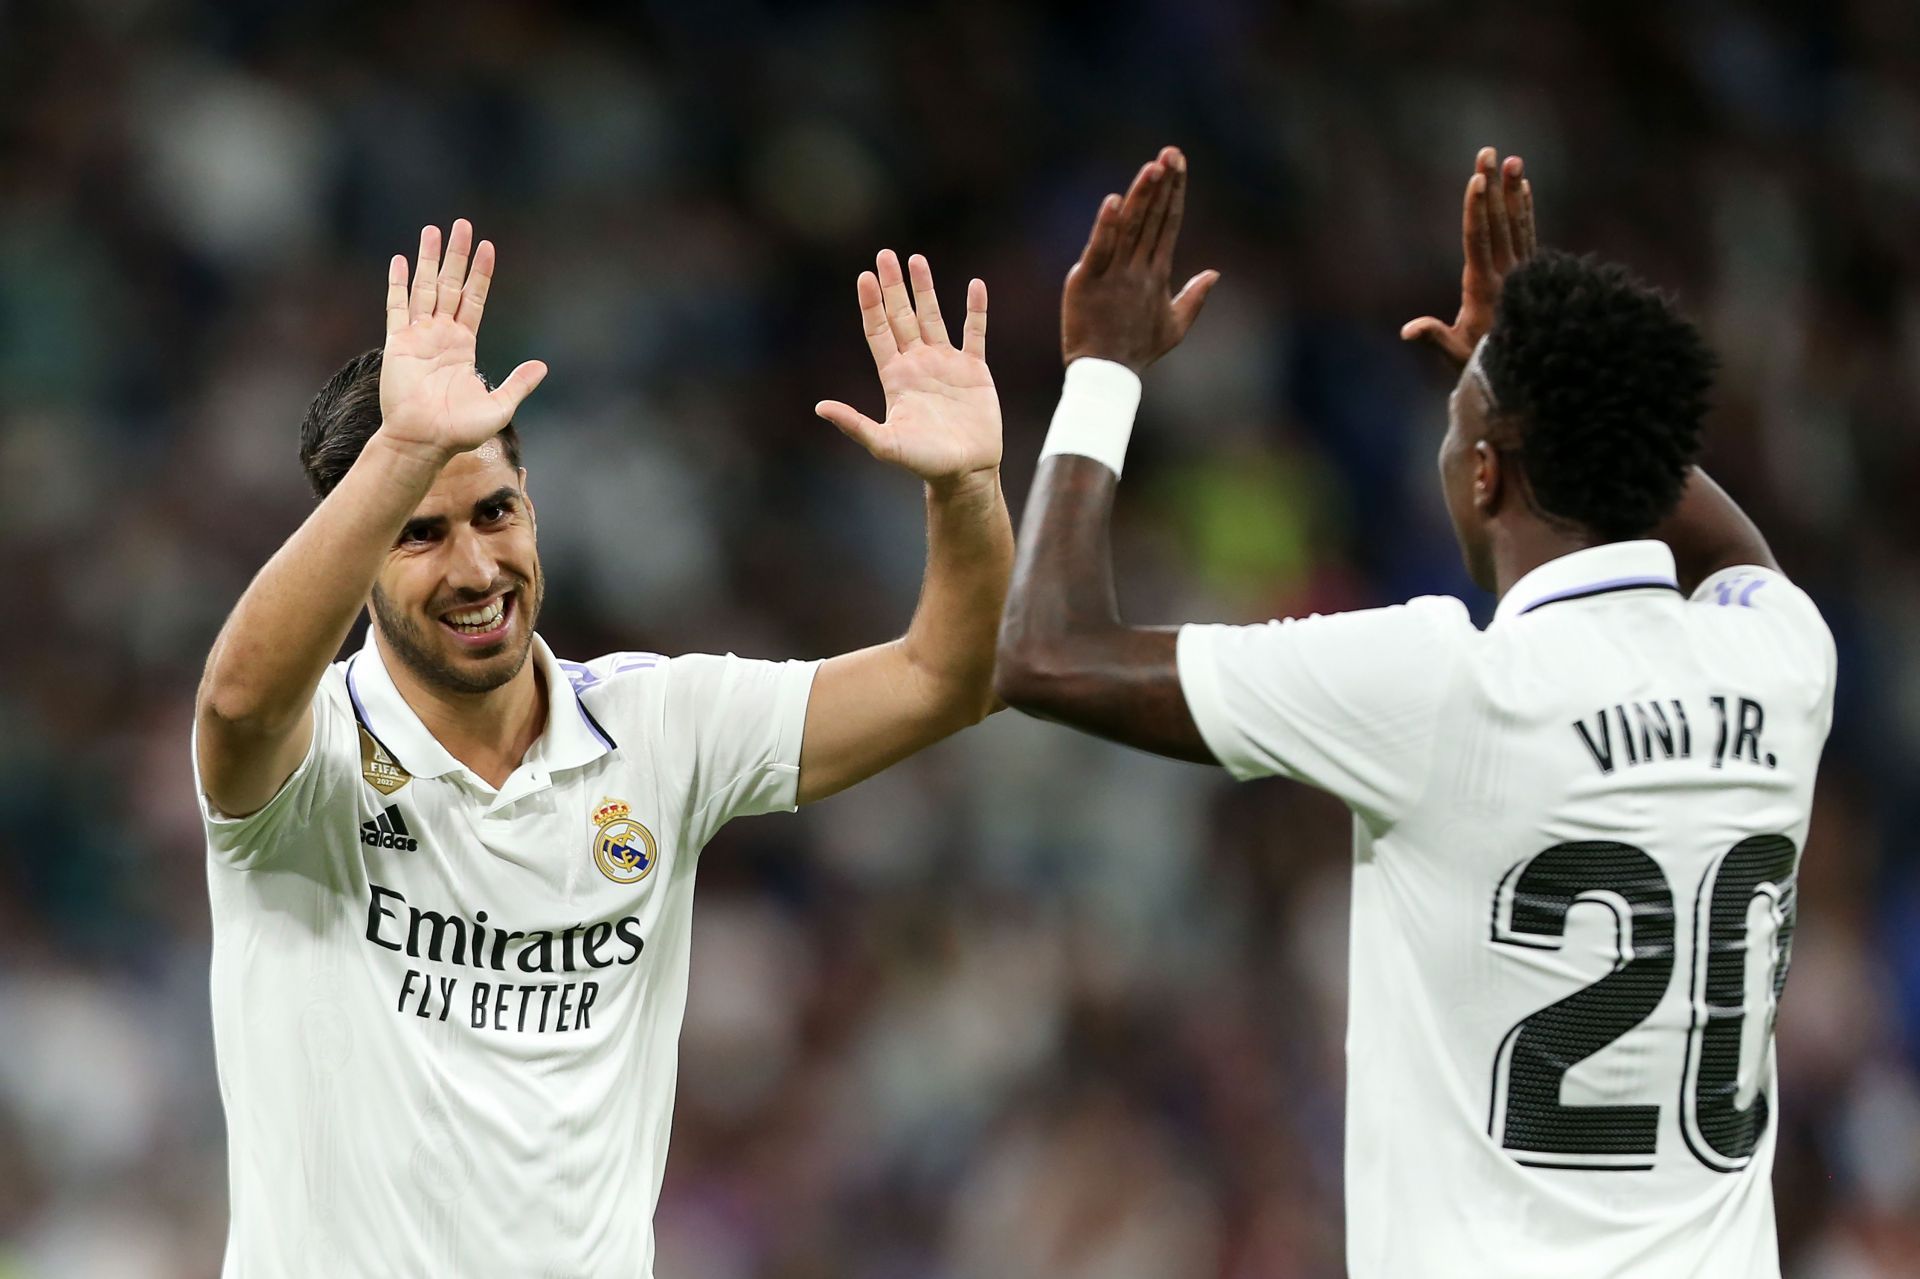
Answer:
(1576, 833)
(452, 876)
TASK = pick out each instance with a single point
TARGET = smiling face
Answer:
(458, 596)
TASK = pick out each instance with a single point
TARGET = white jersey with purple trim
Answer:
(446, 1016)
(1576, 841)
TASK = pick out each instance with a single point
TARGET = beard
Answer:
(413, 642)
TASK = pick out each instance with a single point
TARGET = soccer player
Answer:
(1576, 832)
(452, 876)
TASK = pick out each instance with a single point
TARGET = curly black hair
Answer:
(344, 416)
(1607, 384)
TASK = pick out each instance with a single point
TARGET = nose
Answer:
(471, 566)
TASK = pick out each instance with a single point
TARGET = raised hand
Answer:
(430, 393)
(943, 414)
(1497, 235)
(1118, 304)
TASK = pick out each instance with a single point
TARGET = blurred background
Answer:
(1027, 1005)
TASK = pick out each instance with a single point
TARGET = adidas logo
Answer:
(388, 830)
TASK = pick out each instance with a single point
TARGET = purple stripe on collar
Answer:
(360, 711)
(353, 695)
(1602, 588)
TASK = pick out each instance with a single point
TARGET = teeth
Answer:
(479, 618)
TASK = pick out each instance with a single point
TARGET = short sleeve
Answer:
(287, 820)
(1348, 702)
(1785, 617)
(744, 720)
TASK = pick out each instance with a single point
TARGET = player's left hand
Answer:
(943, 414)
(1497, 234)
(1118, 304)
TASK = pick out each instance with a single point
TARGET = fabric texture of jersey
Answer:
(1577, 835)
(447, 1017)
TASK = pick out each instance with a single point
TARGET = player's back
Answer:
(1568, 952)
(1576, 841)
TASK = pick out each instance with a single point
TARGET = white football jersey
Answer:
(1576, 842)
(447, 1017)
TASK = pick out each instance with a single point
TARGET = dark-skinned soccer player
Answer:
(1576, 833)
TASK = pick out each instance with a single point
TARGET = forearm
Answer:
(296, 613)
(1063, 580)
(1063, 574)
(1708, 532)
(949, 643)
(1064, 653)
(872, 708)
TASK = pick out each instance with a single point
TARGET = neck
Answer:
(1520, 549)
(489, 732)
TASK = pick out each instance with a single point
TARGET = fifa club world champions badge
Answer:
(381, 770)
(623, 849)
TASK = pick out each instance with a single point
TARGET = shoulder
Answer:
(300, 819)
(1770, 613)
(335, 691)
(1765, 597)
(610, 668)
(1761, 591)
(1349, 702)
(336, 716)
(1442, 615)
(681, 684)
(618, 687)
(1367, 653)
(1419, 626)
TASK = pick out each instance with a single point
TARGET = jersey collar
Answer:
(1596, 570)
(572, 736)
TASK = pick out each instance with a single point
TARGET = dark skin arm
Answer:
(1064, 654)
(1707, 530)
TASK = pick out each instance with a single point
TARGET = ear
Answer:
(532, 516)
(1489, 478)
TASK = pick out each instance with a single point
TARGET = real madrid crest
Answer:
(623, 849)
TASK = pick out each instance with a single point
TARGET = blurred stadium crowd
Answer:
(1027, 1005)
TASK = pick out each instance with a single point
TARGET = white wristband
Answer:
(1095, 417)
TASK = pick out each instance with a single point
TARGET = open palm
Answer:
(1497, 234)
(943, 414)
(430, 392)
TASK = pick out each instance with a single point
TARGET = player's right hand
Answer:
(431, 396)
(1118, 304)
(1497, 234)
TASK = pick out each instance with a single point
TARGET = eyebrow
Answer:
(505, 495)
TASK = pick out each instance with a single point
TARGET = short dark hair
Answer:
(344, 416)
(1607, 383)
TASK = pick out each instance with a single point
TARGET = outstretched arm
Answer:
(1064, 653)
(873, 708)
(254, 711)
